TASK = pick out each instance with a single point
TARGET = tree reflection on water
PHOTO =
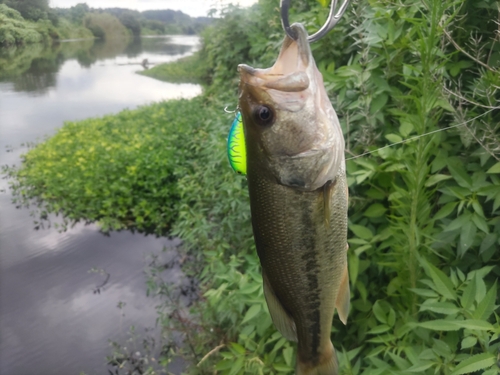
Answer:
(33, 68)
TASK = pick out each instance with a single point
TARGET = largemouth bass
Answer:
(298, 197)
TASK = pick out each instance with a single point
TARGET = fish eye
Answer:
(264, 115)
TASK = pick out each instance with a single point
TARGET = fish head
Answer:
(292, 132)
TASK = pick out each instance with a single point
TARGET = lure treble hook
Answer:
(330, 23)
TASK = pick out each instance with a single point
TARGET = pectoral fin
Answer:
(343, 297)
(281, 319)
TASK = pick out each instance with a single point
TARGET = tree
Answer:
(30, 9)
(131, 22)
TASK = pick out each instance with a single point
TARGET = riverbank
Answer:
(188, 69)
(424, 215)
(15, 30)
(47, 293)
(28, 23)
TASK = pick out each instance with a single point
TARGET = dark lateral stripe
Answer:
(311, 270)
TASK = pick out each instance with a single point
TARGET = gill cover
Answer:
(236, 149)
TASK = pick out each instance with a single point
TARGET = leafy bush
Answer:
(424, 214)
(125, 180)
(105, 25)
(15, 30)
(187, 69)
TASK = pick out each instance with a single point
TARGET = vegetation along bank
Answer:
(424, 215)
(33, 21)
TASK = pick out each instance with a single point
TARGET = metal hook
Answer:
(329, 24)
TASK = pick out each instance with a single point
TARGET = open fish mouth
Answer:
(288, 74)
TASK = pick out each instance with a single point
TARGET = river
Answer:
(51, 320)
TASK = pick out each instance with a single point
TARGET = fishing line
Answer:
(420, 136)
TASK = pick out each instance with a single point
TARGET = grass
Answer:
(117, 170)
(185, 70)
(424, 216)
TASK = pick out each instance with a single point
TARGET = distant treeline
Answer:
(31, 21)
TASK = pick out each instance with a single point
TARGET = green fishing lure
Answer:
(236, 149)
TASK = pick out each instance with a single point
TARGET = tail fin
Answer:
(327, 365)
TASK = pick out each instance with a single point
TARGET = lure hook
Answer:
(330, 23)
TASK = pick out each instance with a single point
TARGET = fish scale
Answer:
(298, 199)
(293, 254)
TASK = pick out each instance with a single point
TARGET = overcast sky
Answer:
(195, 8)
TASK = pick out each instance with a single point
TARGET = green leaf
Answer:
(237, 348)
(252, 312)
(480, 222)
(487, 305)
(393, 138)
(250, 288)
(353, 265)
(469, 294)
(361, 231)
(375, 210)
(494, 169)
(480, 287)
(237, 366)
(379, 312)
(379, 329)
(425, 292)
(434, 179)
(459, 173)
(405, 128)
(282, 367)
(420, 367)
(468, 342)
(459, 222)
(288, 355)
(439, 325)
(475, 363)
(475, 325)
(445, 210)
(467, 236)
(378, 103)
(443, 284)
(225, 364)
(488, 241)
(447, 308)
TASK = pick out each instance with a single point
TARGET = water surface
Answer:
(51, 321)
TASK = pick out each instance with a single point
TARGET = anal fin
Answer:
(343, 302)
(281, 319)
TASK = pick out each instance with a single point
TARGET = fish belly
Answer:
(301, 242)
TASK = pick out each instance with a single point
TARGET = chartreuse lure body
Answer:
(236, 149)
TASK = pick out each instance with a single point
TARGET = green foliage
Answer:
(32, 10)
(174, 21)
(118, 170)
(424, 214)
(187, 69)
(15, 30)
(105, 26)
(152, 27)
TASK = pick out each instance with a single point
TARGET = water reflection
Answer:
(50, 319)
(33, 68)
